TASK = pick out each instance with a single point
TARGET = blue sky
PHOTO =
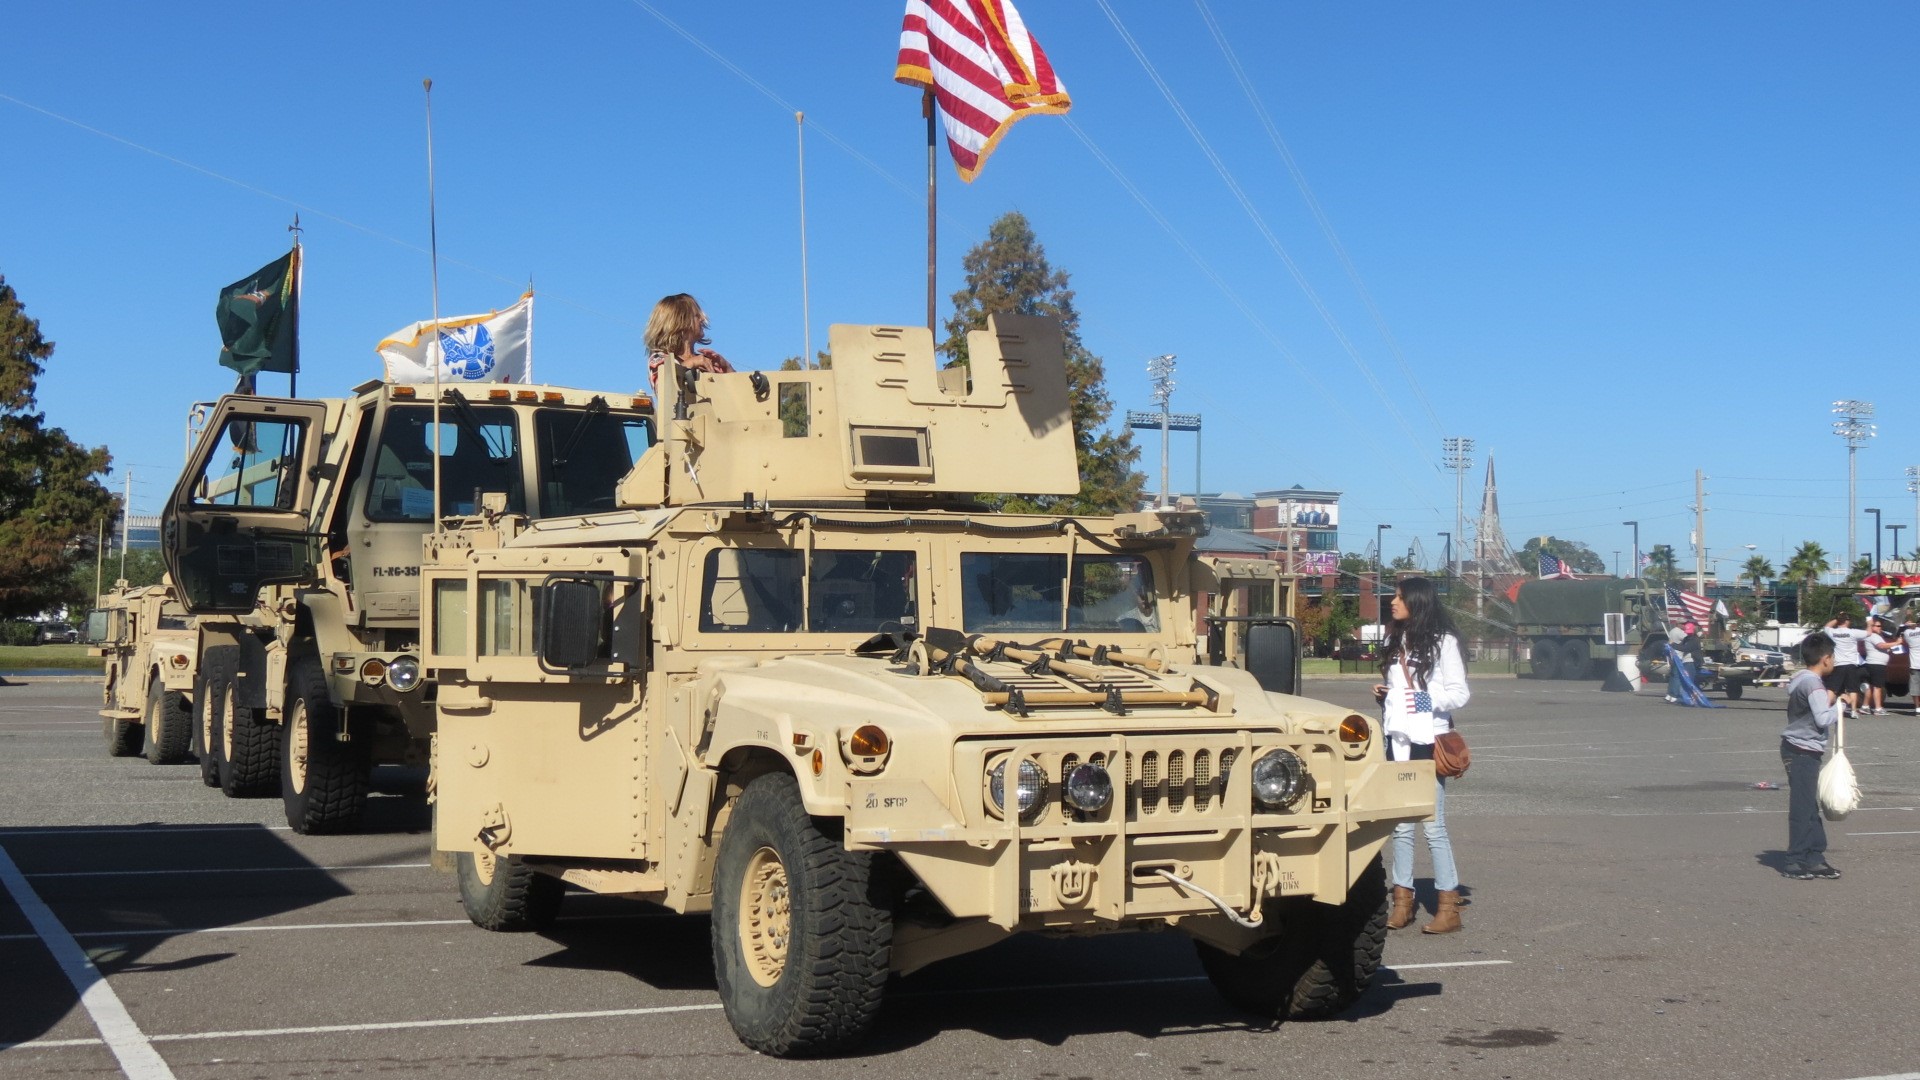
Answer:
(1611, 243)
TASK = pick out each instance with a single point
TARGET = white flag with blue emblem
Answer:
(495, 347)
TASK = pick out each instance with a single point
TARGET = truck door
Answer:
(238, 519)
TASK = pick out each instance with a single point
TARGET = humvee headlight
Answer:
(865, 750)
(1279, 779)
(1355, 731)
(404, 673)
(1088, 788)
(1033, 781)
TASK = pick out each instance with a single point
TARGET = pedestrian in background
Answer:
(1844, 679)
(1811, 710)
(1877, 649)
(1426, 680)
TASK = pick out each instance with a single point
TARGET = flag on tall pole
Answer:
(491, 348)
(984, 69)
(1685, 606)
(259, 318)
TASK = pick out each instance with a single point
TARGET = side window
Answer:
(256, 465)
(479, 452)
(745, 591)
(583, 457)
(861, 591)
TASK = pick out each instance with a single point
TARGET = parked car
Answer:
(56, 633)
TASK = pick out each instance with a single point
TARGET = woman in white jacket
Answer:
(1426, 680)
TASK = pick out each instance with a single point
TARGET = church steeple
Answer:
(1490, 547)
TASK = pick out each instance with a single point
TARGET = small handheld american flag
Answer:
(1422, 701)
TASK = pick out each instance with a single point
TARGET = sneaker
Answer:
(1879, 712)
(1823, 871)
(1671, 700)
(1797, 873)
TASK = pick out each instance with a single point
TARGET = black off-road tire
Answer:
(1545, 662)
(209, 686)
(1734, 690)
(323, 781)
(249, 747)
(1574, 661)
(1319, 960)
(502, 894)
(123, 737)
(817, 989)
(169, 725)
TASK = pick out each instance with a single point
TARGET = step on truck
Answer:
(294, 539)
(147, 642)
(805, 681)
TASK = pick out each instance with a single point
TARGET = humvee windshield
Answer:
(1004, 591)
(751, 591)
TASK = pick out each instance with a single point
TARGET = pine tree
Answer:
(1009, 272)
(50, 501)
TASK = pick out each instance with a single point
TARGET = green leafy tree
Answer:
(1807, 563)
(143, 567)
(1579, 557)
(1757, 570)
(1662, 565)
(51, 502)
(1009, 272)
(1860, 568)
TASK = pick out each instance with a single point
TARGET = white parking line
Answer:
(408, 1025)
(135, 1053)
(261, 928)
(150, 830)
(1901, 832)
(228, 870)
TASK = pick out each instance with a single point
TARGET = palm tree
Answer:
(1662, 567)
(1809, 561)
(1757, 570)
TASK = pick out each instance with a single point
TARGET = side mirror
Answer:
(96, 627)
(568, 635)
(1273, 656)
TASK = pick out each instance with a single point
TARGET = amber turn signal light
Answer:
(1355, 729)
(869, 741)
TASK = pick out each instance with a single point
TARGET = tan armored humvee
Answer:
(147, 640)
(294, 538)
(803, 681)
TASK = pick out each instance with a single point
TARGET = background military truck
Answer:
(805, 682)
(148, 642)
(1564, 622)
(294, 538)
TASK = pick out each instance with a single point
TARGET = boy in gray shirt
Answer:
(1811, 710)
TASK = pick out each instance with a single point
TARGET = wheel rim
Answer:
(484, 864)
(297, 736)
(227, 713)
(766, 917)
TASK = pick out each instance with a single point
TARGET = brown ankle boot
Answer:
(1401, 916)
(1446, 917)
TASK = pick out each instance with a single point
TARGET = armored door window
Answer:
(584, 455)
(479, 452)
(256, 465)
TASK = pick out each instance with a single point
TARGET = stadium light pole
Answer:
(1458, 456)
(1875, 511)
(1447, 539)
(1895, 530)
(1913, 489)
(1379, 573)
(1855, 427)
(1636, 548)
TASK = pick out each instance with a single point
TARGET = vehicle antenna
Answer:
(434, 349)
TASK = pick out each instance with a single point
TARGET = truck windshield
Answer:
(747, 591)
(1023, 592)
(481, 456)
(584, 454)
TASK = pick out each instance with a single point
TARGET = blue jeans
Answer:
(1676, 687)
(1446, 877)
(1806, 833)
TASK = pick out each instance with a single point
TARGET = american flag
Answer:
(984, 69)
(1551, 567)
(1685, 606)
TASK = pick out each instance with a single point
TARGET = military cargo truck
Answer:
(294, 538)
(1564, 622)
(147, 641)
(803, 681)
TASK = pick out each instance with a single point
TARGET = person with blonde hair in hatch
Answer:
(675, 331)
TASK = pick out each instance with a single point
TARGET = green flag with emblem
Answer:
(259, 318)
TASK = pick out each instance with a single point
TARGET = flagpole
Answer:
(927, 110)
(299, 274)
(806, 312)
(433, 343)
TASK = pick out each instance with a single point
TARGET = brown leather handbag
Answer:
(1450, 754)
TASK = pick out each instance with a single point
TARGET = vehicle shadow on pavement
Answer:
(655, 946)
(97, 884)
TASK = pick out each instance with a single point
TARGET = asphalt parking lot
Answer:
(1627, 920)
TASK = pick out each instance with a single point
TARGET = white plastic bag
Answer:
(1839, 788)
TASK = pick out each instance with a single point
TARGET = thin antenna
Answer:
(299, 279)
(433, 347)
(806, 313)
